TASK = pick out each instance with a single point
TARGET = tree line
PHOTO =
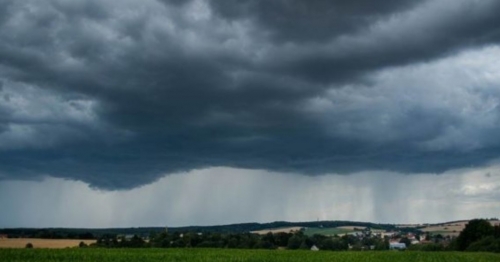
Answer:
(297, 240)
(478, 235)
(74, 233)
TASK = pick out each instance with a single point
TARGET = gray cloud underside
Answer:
(119, 94)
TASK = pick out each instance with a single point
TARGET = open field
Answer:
(446, 229)
(215, 255)
(451, 228)
(327, 231)
(41, 243)
(277, 230)
(408, 225)
(351, 228)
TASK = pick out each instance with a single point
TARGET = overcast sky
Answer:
(171, 112)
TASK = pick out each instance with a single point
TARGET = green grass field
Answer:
(209, 255)
(332, 231)
(326, 231)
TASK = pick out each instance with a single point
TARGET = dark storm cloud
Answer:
(310, 21)
(121, 94)
(424, 34)
(175, 2)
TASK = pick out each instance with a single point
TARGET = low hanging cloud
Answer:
(119, 94)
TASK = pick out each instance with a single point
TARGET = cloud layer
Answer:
(118, 94)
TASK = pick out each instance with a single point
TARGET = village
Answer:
(354, 236)
(429, 237)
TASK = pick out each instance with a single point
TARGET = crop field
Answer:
(326, 231)
(451, 228)
(209, 255)
(331, 231)
(277, 230)
(41, 243)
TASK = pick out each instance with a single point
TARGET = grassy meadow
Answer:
(214, 255)
(310, 231)
(331, 231)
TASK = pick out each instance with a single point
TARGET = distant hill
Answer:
(89, 233)
(452, 228)
(84, 233)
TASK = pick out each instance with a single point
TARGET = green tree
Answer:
(474, 231)
(136, 241)
(382, 244)
(496, 231)
(294, 242)
(304, 246)
(233, 243)
(327, 244)
(281, 239)
(485, 244)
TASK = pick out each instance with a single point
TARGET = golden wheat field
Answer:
(41, 243)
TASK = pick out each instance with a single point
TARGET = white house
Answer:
(397, 246)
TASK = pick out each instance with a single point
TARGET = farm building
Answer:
(397, 246)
